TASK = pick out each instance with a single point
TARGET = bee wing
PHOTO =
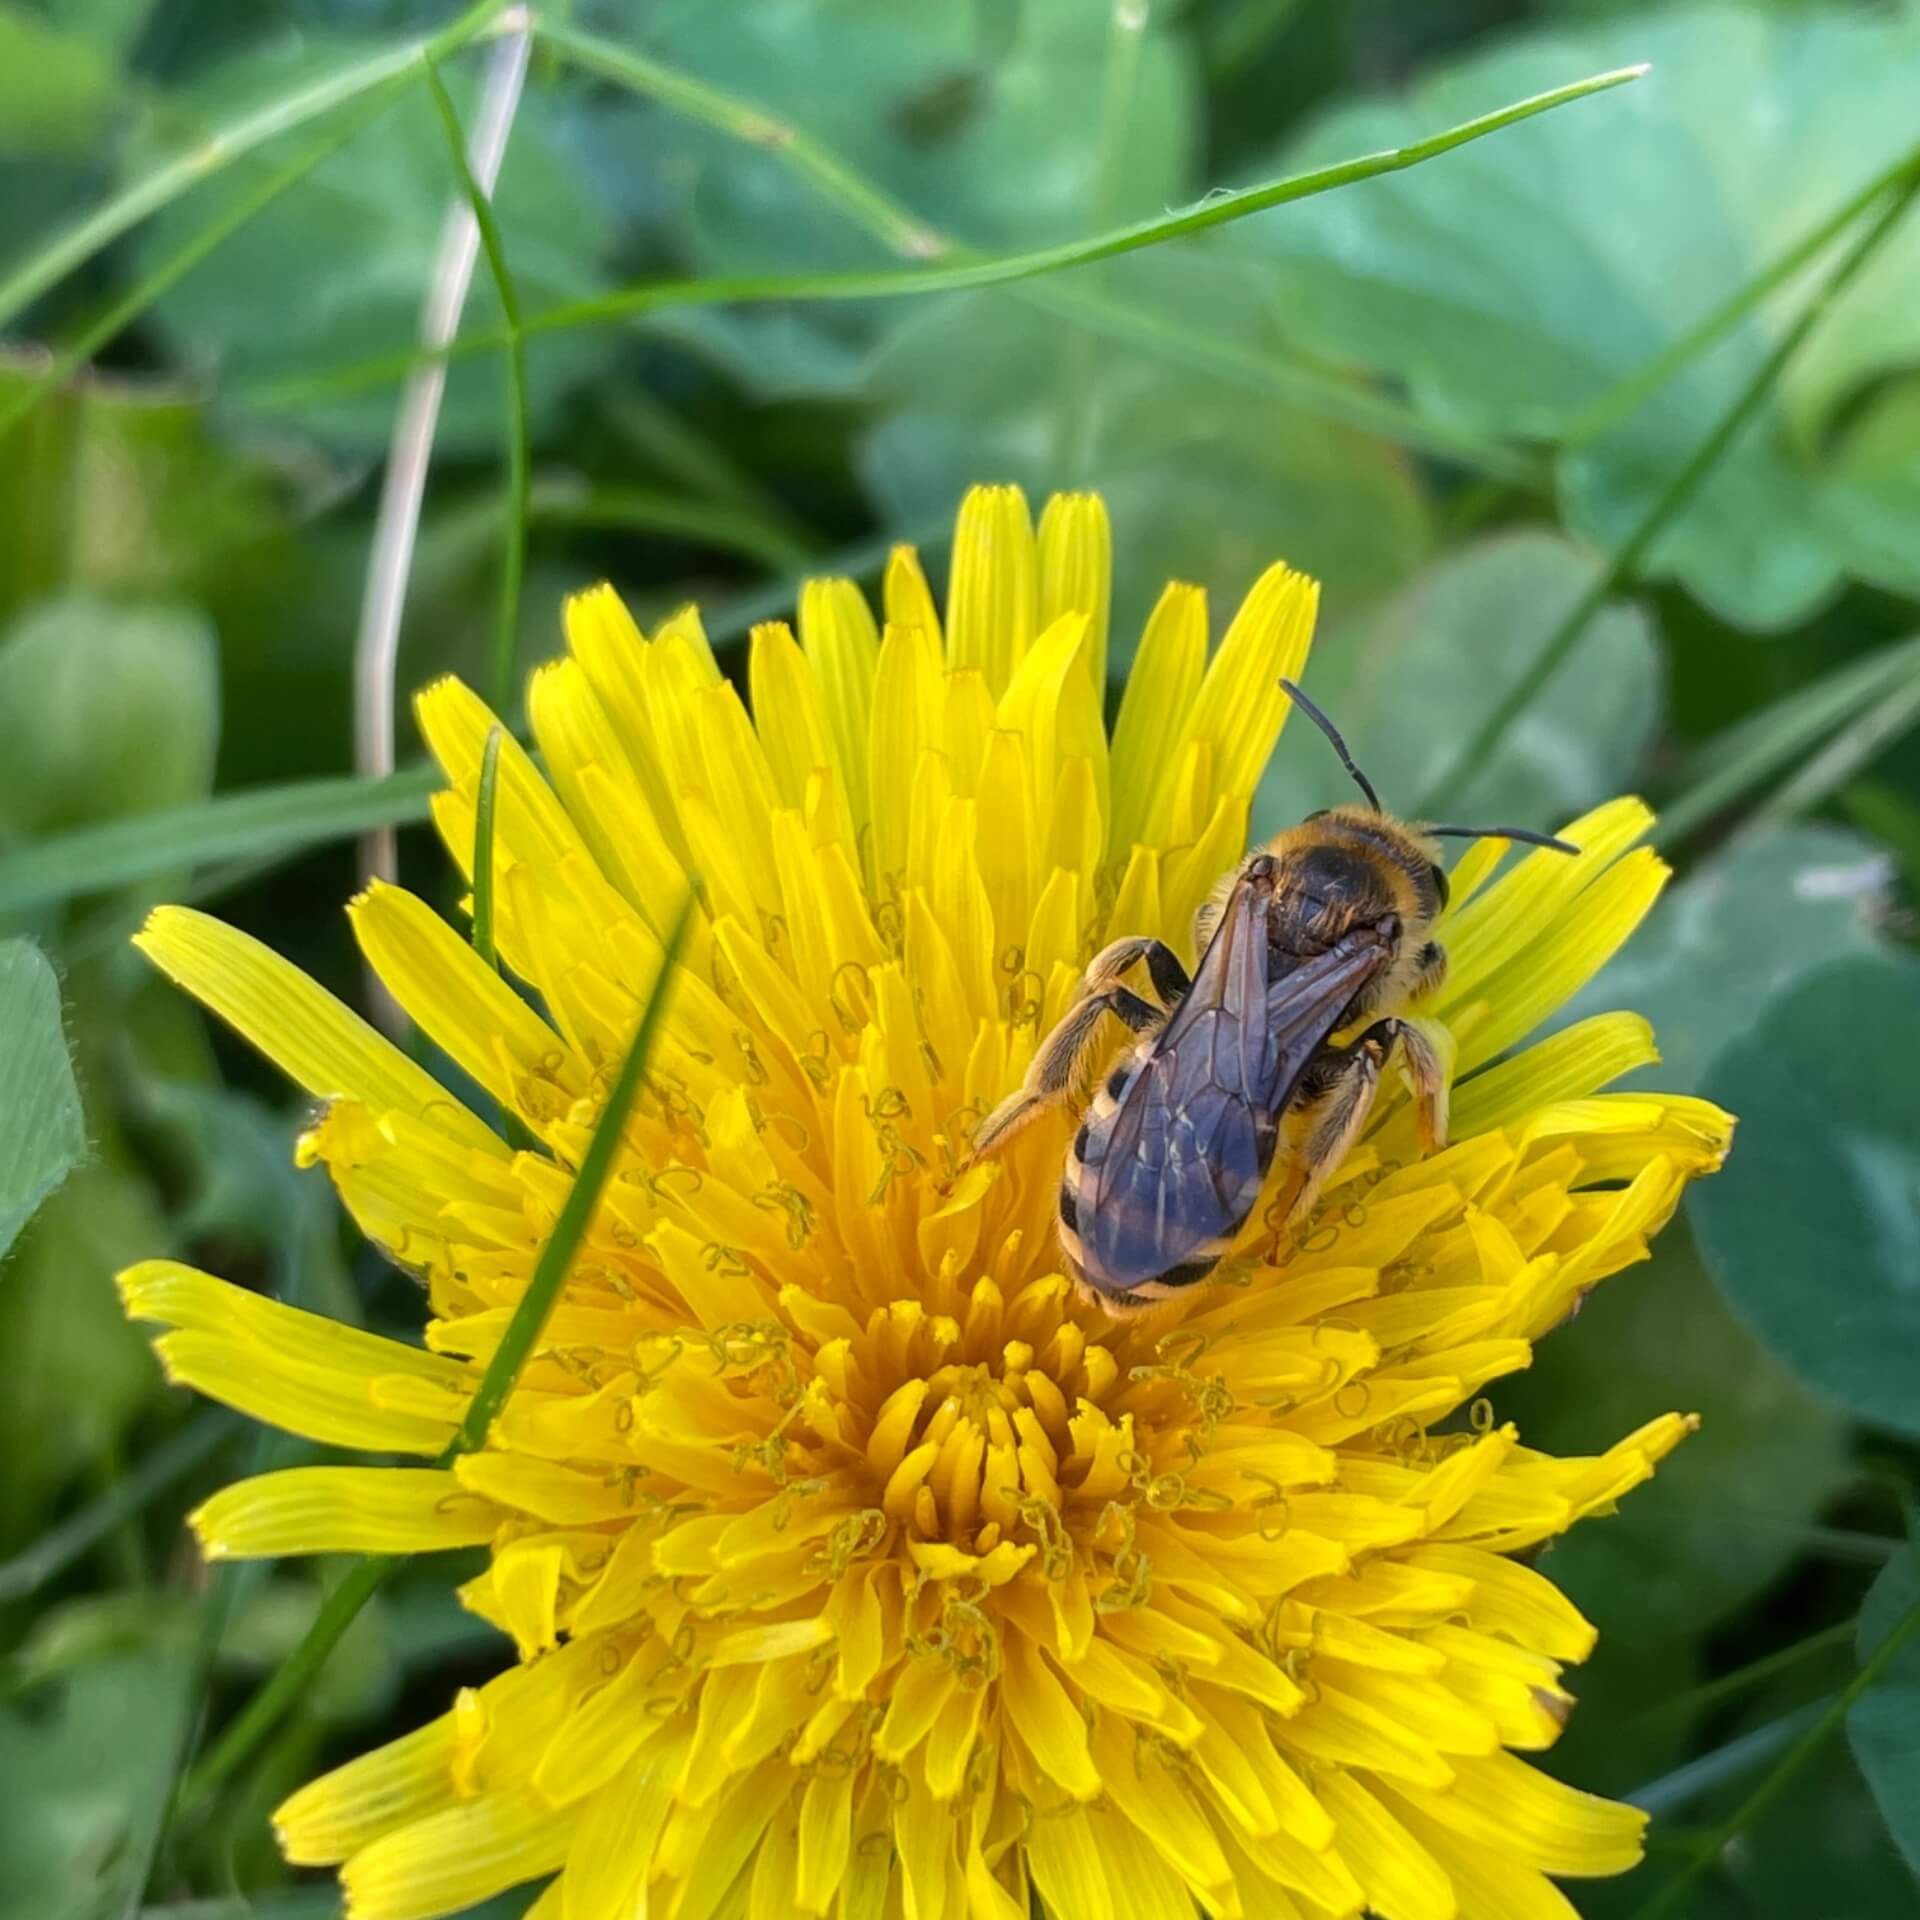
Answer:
(1189, 1146)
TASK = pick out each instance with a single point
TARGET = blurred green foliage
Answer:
(1451, 394)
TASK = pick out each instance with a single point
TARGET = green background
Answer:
(1425, 389)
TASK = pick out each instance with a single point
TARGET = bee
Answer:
(1327, 925)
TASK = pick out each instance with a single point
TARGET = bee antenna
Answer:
(1523, 834)
(1332, 732)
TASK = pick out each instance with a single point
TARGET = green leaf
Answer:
(263, 823)
(1739, 931)
(1204, 483)
(1513, 287)
(1884, 1723)
(55, 86)
(42, 1131)
(79, 1766)
(210, 148)
(119, 486)
(335, 270)
(1813, 1229)
(80, 1372)
(112, 709)
(1871, 500)
(1407, 680)
(1004, 152)
(1725, 1514)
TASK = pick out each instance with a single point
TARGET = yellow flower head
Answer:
(855, 1564)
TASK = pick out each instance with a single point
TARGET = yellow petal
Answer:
(1401, 1878)
(457, 1857)
(1504, 921)
(906, 596)
(993, 596)
(1568, 1065)
(342, 1510)
(298, 1025)
(1153, 1798)
(1519, 1813)
(1513, 1600)
(842, 645)
(300, 1371)
(1047, 1720)
(1571, 951)
(904, 723)
(1066, 1865)
(1076, 572)
(1050, 705)
(1489, 1884)
(1240, 707)
(788, 713)
(611, 1857)
(458, 1000)
(389, 1788)
(1155, 711)
(825, 1839)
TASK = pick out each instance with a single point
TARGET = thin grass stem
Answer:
(513, 553)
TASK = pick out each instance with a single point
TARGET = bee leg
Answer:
(1335, 1096)
(1170, 979)
(1426, 1076)
(1062, 1061)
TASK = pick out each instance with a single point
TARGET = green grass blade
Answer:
(60, 1546)
(1860, 742)
(513, 555)
(483, 809)
(1712, 1844)
(1486, 739)
(1750, 753)
(77, 244)
(1693, 1780)
(244, 1732)
(295, 1674)
(276, 820)
(556, 1257)
(1682, 1706)
(896, 227)
(1218, 210)
(749, 289)
(485, 892)
(709, 523)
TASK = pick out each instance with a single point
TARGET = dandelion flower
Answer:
(853, 1564)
